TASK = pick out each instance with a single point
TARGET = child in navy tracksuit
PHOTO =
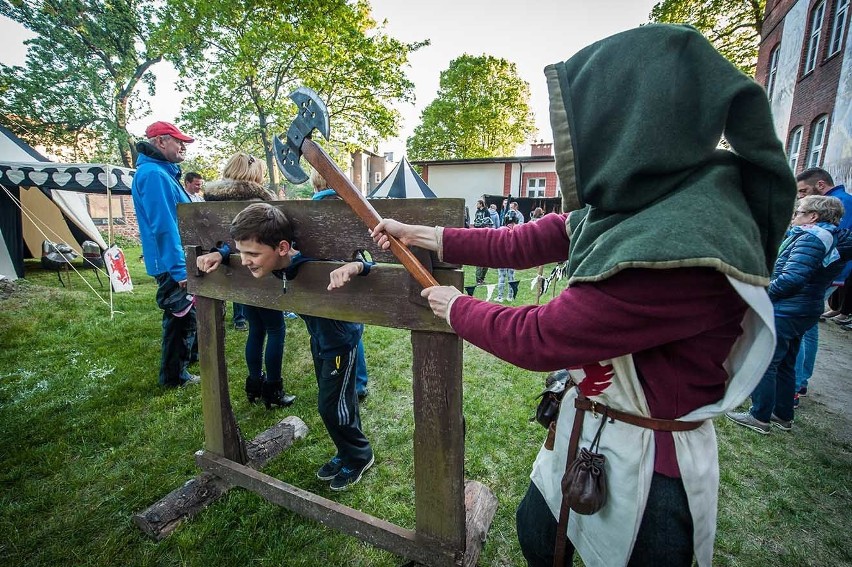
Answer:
(263, 236)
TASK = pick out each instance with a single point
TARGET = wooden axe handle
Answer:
(335, 178)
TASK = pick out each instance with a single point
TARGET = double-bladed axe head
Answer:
(312, 115)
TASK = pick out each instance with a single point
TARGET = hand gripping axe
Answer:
(313, 114)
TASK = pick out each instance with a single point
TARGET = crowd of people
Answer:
(690, 288)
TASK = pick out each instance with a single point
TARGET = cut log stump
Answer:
(480, 505)
(160, 519)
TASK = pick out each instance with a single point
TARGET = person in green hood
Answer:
(665, 324)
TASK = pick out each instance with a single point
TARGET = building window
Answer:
(773, 71)
(817, 141)
(794, 147)
(535, 187)
(838, 30)
(813, 39)
(99, 209)
(378, 177)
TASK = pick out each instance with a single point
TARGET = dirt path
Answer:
(830, 388)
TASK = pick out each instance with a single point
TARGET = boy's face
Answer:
(262, 259)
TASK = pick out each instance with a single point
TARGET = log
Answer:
(160, 519)
(480, 506)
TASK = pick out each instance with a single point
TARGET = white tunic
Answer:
(606, 538)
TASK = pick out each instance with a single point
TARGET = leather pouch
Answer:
(584, 484)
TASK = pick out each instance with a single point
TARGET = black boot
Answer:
(254, 388)
(273, 394)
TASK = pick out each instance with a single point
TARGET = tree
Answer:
(79, 86)
(482, 110)
(256, 53)
(732, 26)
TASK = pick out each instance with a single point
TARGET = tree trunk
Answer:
(268, 154)
(125, 148)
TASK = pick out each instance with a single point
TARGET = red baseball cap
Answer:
(163, 128)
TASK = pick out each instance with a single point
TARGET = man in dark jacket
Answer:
(807, 263)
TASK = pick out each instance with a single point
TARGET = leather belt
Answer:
(586, 404)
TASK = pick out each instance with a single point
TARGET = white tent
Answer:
(41, 200)
(402, 183)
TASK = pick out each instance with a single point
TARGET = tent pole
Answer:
(109, 232)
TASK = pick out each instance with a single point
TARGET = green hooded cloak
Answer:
(637, 121)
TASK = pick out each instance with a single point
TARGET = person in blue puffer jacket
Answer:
(808, 261)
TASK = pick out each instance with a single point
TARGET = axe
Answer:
(313, 114)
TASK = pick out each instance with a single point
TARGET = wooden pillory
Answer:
(452, 516)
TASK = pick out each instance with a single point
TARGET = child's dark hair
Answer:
(262, 223)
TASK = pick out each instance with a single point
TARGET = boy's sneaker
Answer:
(780, 423)
(747, 420)
(347, 477)
(803, 392)
(329, 470)
(796, 401)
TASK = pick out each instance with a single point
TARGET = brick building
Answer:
(805, 64)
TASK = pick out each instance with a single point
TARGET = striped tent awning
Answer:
(402, 183)
(78, 177)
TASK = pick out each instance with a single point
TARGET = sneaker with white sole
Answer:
(747, 420)
(329, 470)
(347, 477)
(781, 424)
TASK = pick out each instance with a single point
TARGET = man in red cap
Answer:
(156, 193)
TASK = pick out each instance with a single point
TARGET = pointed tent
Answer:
(402, 183)
(52, 201)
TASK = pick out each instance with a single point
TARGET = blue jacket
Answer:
(156, 193)
(845, 222)
(807, 263)
(329, 337)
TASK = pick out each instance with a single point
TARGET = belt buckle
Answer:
(594, 409)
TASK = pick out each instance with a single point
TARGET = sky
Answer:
(529, 34)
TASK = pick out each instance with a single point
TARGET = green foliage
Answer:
(482, 110)
(254, 54)
(79, 87)
(733, 26)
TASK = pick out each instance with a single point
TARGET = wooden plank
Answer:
(221, 432)
(375, 531)
(438, 437)
(326, 229)
(163, 517)
(384, 297)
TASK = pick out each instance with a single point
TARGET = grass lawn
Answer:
(88, 438)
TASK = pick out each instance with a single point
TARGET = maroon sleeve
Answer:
(634, 310)
(526, 246)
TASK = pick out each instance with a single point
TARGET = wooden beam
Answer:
(325, 229)
(375, 531)
(221, 432)
(160, 519)
(383, 297)
(438, 437)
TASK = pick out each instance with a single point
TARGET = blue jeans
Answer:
(807, 357)
(360, 369)
(504, 276)
(239, 313)
(265, 324)
(774, 393)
